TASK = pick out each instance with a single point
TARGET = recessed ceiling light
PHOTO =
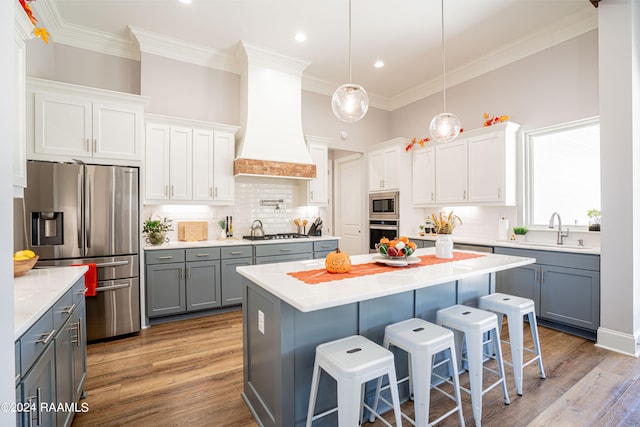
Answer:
(379, 64)
(300, 37)
(185, 1)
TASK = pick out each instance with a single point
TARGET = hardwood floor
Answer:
(190, 373)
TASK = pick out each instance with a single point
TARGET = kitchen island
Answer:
(284, 319)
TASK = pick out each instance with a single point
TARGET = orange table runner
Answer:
(320, 275)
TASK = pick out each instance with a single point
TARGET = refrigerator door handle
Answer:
(79, 209)
(113, 288)
(88, 207)
(112, 264)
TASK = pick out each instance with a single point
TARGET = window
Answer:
(562, 172)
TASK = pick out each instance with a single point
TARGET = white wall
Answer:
(7, 339)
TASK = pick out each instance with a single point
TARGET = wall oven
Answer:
(384, 205)
(384, 217)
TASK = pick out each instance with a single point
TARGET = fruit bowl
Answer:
(400, 248)
(20, 268)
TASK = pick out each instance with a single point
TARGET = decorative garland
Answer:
(40, 32)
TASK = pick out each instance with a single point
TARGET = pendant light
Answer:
(445, 126)
(350, 101)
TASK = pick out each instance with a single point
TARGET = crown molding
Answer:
(544, 38)
(169, 47)
(141, 40)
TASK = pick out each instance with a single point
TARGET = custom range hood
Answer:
(271, 138)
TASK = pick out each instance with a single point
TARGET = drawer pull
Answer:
(47, 337)
(202, 255)
(236, 253)
(325, 246)
(166, 257)
(285, 250)
(68, 309)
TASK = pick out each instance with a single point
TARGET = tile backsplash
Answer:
(250, 192)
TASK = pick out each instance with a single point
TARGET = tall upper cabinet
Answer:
(477, 168)
(188, 161)
(68, 121)
(23, 32)
(315, 192)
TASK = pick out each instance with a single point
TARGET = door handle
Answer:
(113, 288)
(112, 264)
(79, 216)
(87, 225)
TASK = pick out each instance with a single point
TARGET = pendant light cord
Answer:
(444, 81)
(350, 81)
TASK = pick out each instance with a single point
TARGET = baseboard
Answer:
(619, 342)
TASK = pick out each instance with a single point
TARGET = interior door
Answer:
(350, 200)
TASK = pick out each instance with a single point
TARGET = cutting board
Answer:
(193, 231)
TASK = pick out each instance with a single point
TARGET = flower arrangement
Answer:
(40, 32)
(156, 230)
(445, 224)
(488, 120)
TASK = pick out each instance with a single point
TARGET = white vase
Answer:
(223, 234)
(444, 246)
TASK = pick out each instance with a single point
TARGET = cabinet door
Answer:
(116, 131)
(79, 349)
(570, 296)
(39, 388)
(202, 174)
(165, 289)
(423, 180)
(451, 167)
(224, 152)
(203, 285)
(63, 125)
(318, 187)
(376, 170)
(522, 282)
(157, 155)
(180, 164)
(64, 371)
(392, 175)
(232, 282)
(487, 168)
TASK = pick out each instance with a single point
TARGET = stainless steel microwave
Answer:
(384, 205)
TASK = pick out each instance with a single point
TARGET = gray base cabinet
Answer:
(564, 286)
(52, 365)
(182, 280)
(232, 281)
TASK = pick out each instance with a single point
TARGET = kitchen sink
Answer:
(555, 245)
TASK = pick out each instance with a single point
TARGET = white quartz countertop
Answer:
(538, 246)
(235, 242)
(304, 297)
(37, 291)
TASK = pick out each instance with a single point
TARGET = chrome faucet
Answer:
(561, 234)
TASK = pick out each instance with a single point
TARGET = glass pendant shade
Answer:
(350, 102)
(444, 127)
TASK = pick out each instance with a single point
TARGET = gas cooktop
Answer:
(279, 236)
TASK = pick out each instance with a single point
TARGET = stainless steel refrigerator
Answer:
(74, 213)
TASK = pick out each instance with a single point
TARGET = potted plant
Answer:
(156, 230)
(520, 233)
(594, 219)
(421, 229)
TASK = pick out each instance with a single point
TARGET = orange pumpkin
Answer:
(338, 262)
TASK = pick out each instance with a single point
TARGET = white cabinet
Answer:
(451, 170)
(424, 176)
(315, 192)
(492, 165)
(23, 31)
(224, 151)
(189, 164)
(383, 167)
(74, 122)
(478, 168)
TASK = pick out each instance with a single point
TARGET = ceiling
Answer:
(480, 35)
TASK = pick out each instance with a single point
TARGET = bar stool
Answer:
(352, 361)
(515, 308)
(422, 340)
(469, 325)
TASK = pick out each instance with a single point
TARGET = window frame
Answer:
(528, 137)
